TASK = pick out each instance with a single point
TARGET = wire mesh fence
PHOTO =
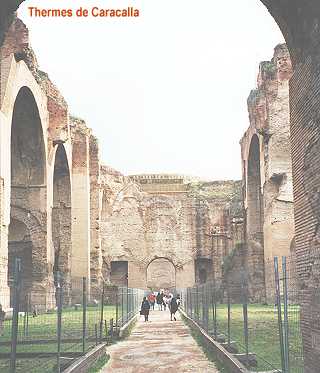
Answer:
(263, 336)
(34, 339)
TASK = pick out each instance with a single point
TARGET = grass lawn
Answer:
(263, 334)
(44, 327)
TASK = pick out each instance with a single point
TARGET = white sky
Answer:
(165, 92)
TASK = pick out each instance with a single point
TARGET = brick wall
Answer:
(267, 173)
(163, 236)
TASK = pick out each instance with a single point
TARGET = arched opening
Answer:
(27, 237)
(27, 144)
(61, 219)
(161, 274)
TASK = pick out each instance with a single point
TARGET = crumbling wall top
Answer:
(78, 126)
(17, 43)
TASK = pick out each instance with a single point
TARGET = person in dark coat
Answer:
(145, 308)
(160, 300)
(174, 305)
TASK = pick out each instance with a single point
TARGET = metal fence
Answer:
(33, 339)
(263, 336)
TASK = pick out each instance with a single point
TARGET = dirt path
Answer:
(158, 346)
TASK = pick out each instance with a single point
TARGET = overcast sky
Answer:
(165, 92)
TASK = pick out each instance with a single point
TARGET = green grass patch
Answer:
(44, 327)
(263, 333)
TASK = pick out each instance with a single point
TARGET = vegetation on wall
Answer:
(224, 190)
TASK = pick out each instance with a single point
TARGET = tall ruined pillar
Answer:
(4, 288)
(95, 214)
(80, 211)
(278, 225)
(4, 215)
(267, 174)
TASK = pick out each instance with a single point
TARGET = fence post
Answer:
(278, 300)
(25, 316)
(197, 303)
(59, 320)
(129, 303)
(185, 300)
(122, 321)
(106, 329)
(117, 306)
(127, 317)
(245, 314)
(206, 308)
(229, 313)
(84, 313)
(24, 324)
(15, 317)
(111, 328)
(213, 310)
(28, 310)
(96, 333)
(203, 306)
(215, 329)
(285, 315)
(190, 302)
(102, 311)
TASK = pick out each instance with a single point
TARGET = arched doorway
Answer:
(28, 226)
(161, 274)
(61, 219)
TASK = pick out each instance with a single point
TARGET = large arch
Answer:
(161, 274)
(28, 157)
(29, 197)
(61, 219)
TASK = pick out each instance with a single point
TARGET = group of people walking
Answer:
(163, 300)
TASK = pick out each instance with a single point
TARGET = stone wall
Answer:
(81, 232)
(158, 231)
(44, 172)
(267, 173)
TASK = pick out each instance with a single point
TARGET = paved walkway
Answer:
(159, 345)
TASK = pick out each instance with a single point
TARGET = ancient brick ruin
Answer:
(63, 211)
(155, 229)
(41, 207)
(267, 174)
